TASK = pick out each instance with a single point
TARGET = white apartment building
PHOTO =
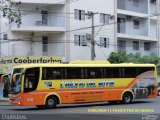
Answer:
(136, 29)
(63, 28)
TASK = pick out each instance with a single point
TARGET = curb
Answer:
(4, 100)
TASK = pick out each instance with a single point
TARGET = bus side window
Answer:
(44, 73)
(93, 73)
(74, 73)
(52, 73)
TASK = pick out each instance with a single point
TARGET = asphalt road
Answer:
(134, 111)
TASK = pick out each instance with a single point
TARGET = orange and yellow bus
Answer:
(46, 85)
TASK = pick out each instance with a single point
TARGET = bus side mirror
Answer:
(3, 78)
(15, 77)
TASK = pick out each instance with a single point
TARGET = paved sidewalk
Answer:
(4, 99)
(4, 102)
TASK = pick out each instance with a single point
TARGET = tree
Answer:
(123, 57)
(12, 15)
(119, 57)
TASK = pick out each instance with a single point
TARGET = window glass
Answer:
(104, 42)
(112, 72)
(79, 14)
(135, 45)
(94, 73)
(146, 46)
(129, 72)
(80, 40)
(5, 36)
(136, 24)
(74, 73)
(51, 73)
(31, 79)
(104, 18)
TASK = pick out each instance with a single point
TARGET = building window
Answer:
(44, 18)
(153, 1)
(121, 45)
(79, 14)
(135, 3)
(5, 36)
(136, 24)
(121, 25)
(80, 40)
(147, 46)
(104, 18)
(135, 45)
(104, 42)
(45, 45)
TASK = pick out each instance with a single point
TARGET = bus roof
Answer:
(84, 65)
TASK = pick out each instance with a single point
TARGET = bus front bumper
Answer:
(15, 100)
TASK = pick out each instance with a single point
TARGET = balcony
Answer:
(38, 49)
(41, 1)
(153, 28)
(35, 23)
(128, 46)
(140, 6)
(153, 7)
(136, 28)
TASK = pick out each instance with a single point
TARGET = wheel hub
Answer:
(50, 102)
(127, 99)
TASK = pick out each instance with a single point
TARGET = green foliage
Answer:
(123, 57)
(12, 14)
(117, 57)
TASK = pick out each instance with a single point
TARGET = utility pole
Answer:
(1, 2)
(91, 16)
(158, 28)
(92, 39)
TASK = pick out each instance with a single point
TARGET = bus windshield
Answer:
(15, 86)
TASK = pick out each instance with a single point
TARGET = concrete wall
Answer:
(31, 14)
(41, 1)
(153, 9)
(129, 47)
(83, 53)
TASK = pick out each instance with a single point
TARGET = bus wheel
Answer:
(40, 106)
(127, 98)
(51, 102)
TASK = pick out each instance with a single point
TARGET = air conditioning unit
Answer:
(84, 44)
(88, 36)
(128, 17)
(89, 14)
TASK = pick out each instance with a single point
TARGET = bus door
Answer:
(31, 80)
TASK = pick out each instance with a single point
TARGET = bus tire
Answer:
(40, 106)
(51, 102)
(127, 98)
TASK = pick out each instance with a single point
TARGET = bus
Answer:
(47, 85)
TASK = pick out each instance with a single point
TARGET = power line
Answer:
(84, 28)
